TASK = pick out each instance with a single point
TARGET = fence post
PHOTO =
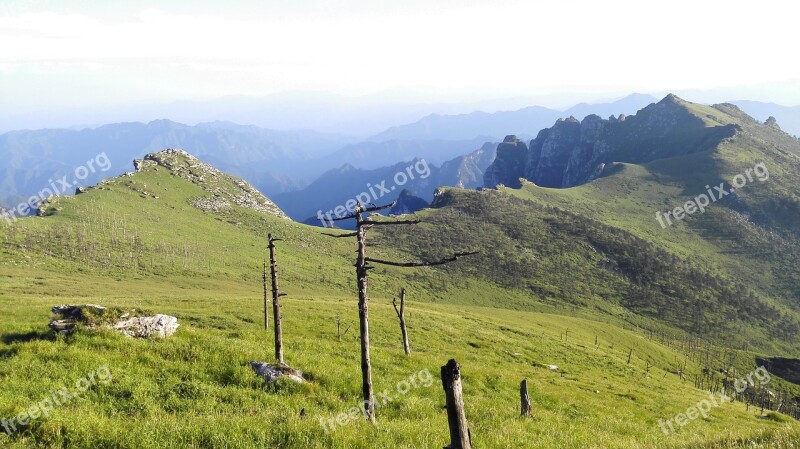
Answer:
(524, 398)
(460, 437)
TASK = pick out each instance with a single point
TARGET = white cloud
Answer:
(628, 44)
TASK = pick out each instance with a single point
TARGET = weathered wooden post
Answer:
(401, 314)
(266, 314)
(524, 398)
(630, 353)
(276, 302)
(460, 437)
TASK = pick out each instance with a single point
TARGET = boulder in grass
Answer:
(133, 323)
(271, 373)
(148, 326)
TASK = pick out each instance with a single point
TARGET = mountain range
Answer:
(616, 320)
(337, 186)
(278, 162)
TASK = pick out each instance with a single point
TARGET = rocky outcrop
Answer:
(271, 373)
(574, 152)
(223, 189)
(509, 163)
(147, 326)
(772, 122)
(408, 203)
(93, 316)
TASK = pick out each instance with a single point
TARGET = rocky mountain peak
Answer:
(224, 189)
(573, 152)
(672, 99)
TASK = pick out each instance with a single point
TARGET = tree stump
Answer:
(460, 437)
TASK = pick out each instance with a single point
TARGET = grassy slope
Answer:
(114, 247)
(752, 239)
(195, 390)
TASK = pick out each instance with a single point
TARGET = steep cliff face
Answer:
(467, 171)
(559, 155)
(509, 164)
(574, 152)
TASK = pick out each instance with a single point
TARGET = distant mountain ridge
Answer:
(525, 122)
(336, 187)
(787, 116)
(574, 152)
(29, 159)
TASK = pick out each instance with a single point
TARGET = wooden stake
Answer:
(524, 398)
(460, 437)
(401, 314)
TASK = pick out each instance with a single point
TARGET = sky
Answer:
(78, 53)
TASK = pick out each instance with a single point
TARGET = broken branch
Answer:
(455, 257)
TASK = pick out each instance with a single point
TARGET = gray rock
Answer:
(148, 326)
(509, 164)
(69, 316)
(271, 373)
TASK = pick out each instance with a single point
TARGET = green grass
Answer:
(540, 293)
(196, 390)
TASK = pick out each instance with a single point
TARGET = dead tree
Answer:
(401, 314)
(524, 398)
(362, 267)
(339, 333)
(276, 302)
(266, 314)
(460, 437)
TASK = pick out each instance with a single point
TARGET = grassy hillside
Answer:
(118, 246)
(196, 390)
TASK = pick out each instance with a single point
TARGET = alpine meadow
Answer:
(341, 225)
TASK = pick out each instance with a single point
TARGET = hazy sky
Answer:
(76, 52)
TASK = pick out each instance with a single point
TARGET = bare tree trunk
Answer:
(524, 398)
(460, 437)
(401, 314)
(276, 302)
(266, 314)
(363, 317)
(363, 300)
